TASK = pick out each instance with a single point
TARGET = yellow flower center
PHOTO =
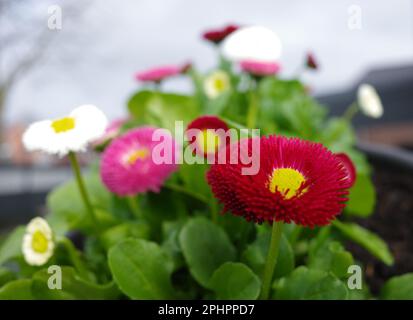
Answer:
(139, 154)
(219, 84)
(63, 124)
(208, 140)
(287, 181)
(39, 242)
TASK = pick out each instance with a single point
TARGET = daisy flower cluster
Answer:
(145, 208)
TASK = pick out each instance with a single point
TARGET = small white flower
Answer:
(252, 43)
(38, 245)
(369, 101)
(216, 83)
(72, 133)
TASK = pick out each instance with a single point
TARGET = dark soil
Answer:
(393, 221)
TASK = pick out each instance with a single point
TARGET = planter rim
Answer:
(386, 154)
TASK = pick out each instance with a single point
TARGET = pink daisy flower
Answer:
(261, 69)
(158, 74)
(133, 164)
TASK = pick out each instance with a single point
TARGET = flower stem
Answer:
(271, 259)
(134, 206)
(252, 109)
(82, 189)
(351, 111)
(214, 211)
(75, 258)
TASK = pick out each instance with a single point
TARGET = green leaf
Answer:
(338, 135)
(367, 239)
(11, 247)
(331, 256)
(163, 109)
(194, 178)
(235, 281)
(285, 106)
(135, 229)
(166, 205)
(362, 197)
(217, 105)
(398, 288)
(309, 284)
(17, 290)
(66, 206)
(170, 244)
(256, 254)
(73, 287)
(142, 269)
(6, 275)
(205, 247)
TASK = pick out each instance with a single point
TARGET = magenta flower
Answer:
(261, 69)
(311, 62)
(138, 161)
(159, 73)
(348, 166)
(217, 35)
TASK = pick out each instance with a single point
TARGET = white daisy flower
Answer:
(216, 83)
(72, 133)
(369, 101)
(38, 245)
(254, 43)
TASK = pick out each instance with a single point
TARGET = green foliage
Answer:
(331, 257)
(310, 284)
(285, 107)
(12, 246)
(162, 109)
(205, 247)
(141, 269)
(67, 211)
(362, 197)
(235, 281)
(398, 288)
(17, 290)
(6, 275)
(256, 253)
(73, 287)
(367, 239)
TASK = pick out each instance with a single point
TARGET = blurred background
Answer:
(46, 69)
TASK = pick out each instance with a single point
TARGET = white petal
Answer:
(369, 101)
(32, 257)
(39, 224)
(91, 122)
(252, 43)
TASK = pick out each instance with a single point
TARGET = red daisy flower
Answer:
(311, 62)
(297, 181)
(349, 166)
(207, 134)
(217, 35)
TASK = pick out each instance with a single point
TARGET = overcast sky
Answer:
(113, 41)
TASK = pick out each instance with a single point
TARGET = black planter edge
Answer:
(394, 157)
